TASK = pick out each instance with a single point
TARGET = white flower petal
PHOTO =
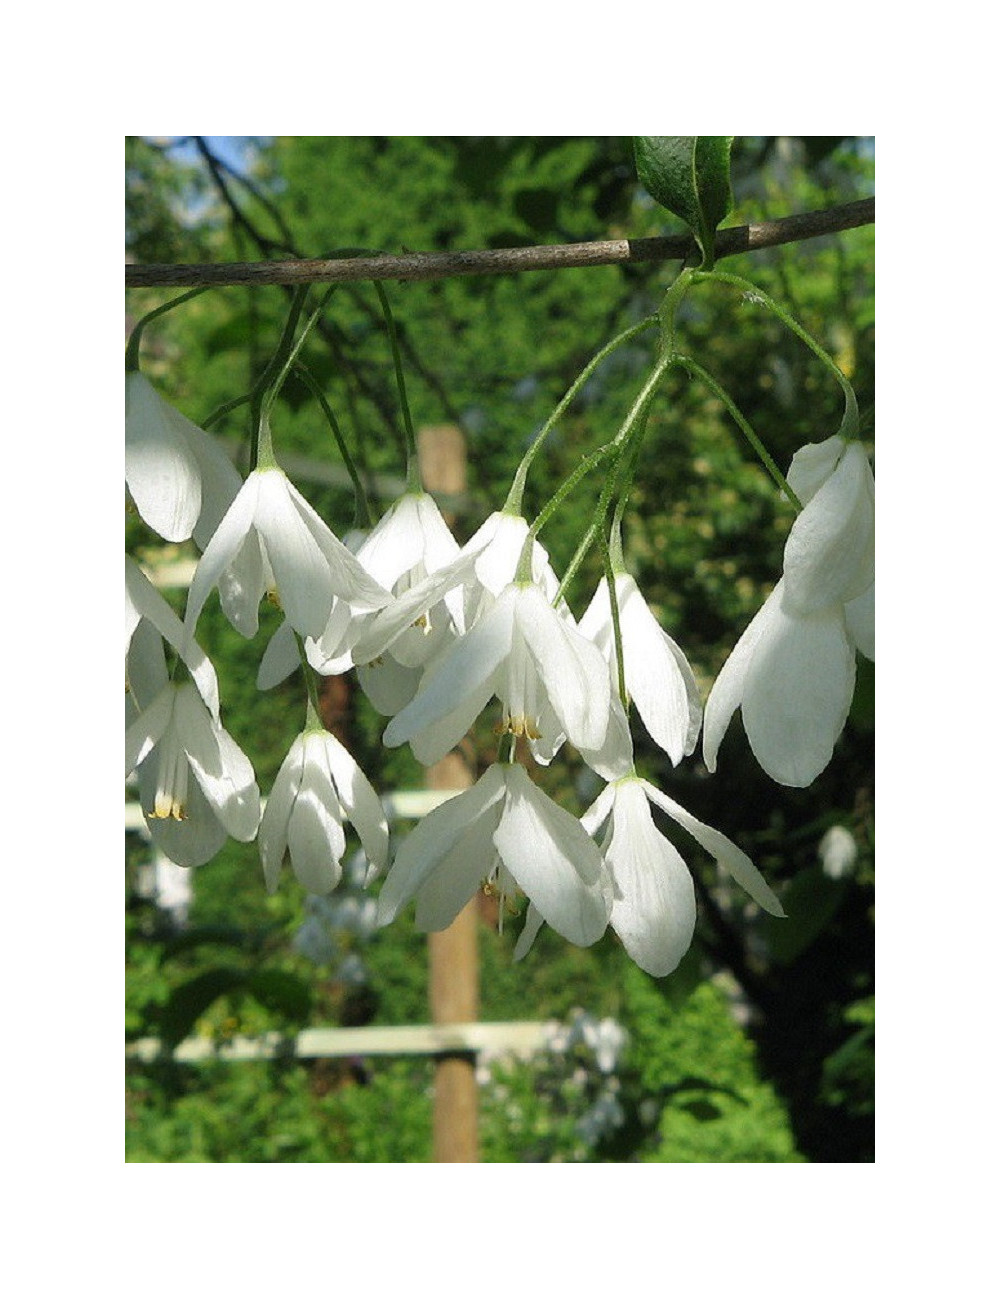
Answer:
(348, 578)
(830, 552)
(280, 658)
(242, 586)
(220, 552)
(657, 675)
(439, 545)
(497, 544)
(220, 482)
(599, 811)
(654, 908)
(389, 686)
(240, 813)
(545, 746)
(462, 673)
(300, 568)
(316, 839)
(433, 838)
(615, 756)
(191, 842)
(411, 533)
(143, 600)
(532, 924)
(331, 653)
(596, 624)
(272, 838)
(553, 860)
(145, 665)
(797, 693)
(146, 731)
(160, 468)
(723, 850)
(727, 693)
(391, 622)
(458, 875)
(812, 465)
(432, 742)
(360, 802)
(223, 771)
(572, 669)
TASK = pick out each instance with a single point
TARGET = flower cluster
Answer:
(438, 632)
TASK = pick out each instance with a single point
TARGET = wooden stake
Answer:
(452, 953)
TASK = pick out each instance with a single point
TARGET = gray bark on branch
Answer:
(502, 261)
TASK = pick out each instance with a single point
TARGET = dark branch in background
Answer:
(216, 168)
(505, 261)
(331, 334)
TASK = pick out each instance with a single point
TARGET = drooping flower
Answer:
(654, 902)
(409, 545)
(792, 671)
(549, 678)
(658, 677)
(318, 787)
(170, 742)
(509, 834)
(271, 539)
(792, 676)
(180, 479)
(422, 616)
(410, 542)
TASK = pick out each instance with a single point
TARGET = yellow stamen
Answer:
(168, 809)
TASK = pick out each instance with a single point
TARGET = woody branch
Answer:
(503, 261)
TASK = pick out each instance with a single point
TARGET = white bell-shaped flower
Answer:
(654, 901)
(410, 542)
(412, 553)
(508, 834)
(318, 787)
(549, 679)
(792, 671)
(180, 479)
(792, 676)
(271, 540)
(170, 742)
(658, 677)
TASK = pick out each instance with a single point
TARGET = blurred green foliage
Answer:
(760, 1048)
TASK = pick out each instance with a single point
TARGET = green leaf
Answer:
(227, 936)
(191, 1000)
(280, 991)
(810, 902)
(689, 176)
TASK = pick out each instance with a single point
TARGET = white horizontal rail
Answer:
(522, 1037)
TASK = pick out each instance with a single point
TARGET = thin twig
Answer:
(505, 261)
